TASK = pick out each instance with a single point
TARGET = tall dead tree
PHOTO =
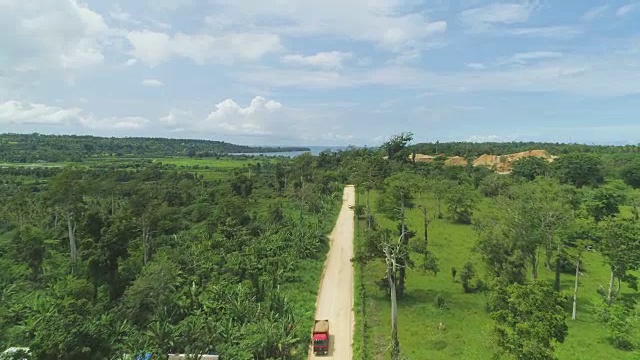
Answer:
(392, 252)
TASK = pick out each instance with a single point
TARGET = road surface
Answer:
(335, 299)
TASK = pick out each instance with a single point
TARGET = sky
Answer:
(331, 72)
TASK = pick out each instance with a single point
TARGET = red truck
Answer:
(321, 337)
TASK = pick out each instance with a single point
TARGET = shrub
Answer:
(440, 302)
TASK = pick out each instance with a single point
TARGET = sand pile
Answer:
(455, 160)
(486, 160)
(424, 158)
(502, 164)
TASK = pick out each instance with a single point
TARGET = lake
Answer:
(315, 150)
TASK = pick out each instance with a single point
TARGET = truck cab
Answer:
(321, 337)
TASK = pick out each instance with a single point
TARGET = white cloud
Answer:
(154, 48)
(385, 23)
(118, 14)
(17, 112)
(527, 57)
(177, 117)
(476, 66)
(583, 75)
(131, 62)
(595, 12)
(26, 113)
(491, 138)
(628, 9)
(231, 118)
(485, 17)
(48, 34)
(152, 82)
(552, 32)
(328, 60)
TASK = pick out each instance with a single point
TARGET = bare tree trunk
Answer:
(575, 290)
(618, 288)
(368, 212)
(403, 263)
(557, 282)
(610, 287)
(391, 270)
(146, 241)
(534, 266)
(72, 238)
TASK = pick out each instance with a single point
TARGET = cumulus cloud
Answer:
(17, 112)
(177, 118)
(26, 113)
(385, 23)
(152, 82)
(154, 48)
(329, 60)
(255, 119)
(51, 34)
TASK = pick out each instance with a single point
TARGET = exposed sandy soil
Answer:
(335, 299)
(500, 163)
(455, 160)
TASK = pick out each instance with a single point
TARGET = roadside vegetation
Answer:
(487, 265)
(97, 262)
(103, 255)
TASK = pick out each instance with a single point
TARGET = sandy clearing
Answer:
(335, 298)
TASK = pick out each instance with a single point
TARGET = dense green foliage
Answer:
(29, 148)
(96, 263)
(501, 148)
(514, 242)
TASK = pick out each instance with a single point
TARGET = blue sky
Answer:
(330, 72)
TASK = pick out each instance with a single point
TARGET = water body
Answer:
(315, 150)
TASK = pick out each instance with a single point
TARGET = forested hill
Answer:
(500, 148)
(55, 148)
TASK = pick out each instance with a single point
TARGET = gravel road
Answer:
(335, 299)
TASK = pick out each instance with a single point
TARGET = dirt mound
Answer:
(456, 160)
(505, 164)
(486, 160)
(424, 158)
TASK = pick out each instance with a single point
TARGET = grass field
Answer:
(210, 168)
(468, 326)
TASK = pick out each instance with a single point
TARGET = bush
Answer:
(619, 321)
(470, 283)
(440, 302)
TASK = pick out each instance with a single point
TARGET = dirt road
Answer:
(335, 299)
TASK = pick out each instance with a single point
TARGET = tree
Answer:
(529, 320)
(461, 201)
(66, 193)
(630, 173)
(396, 199)
(580, 169)
(29, 248)
(392, 253)
(530, 167)
(524, 224)
(606, 200)
(439, 186)
(396, 147)
(620, 245)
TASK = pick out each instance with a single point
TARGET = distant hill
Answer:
(24, 148)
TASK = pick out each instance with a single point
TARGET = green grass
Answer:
(468, 326)
(224, 163)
